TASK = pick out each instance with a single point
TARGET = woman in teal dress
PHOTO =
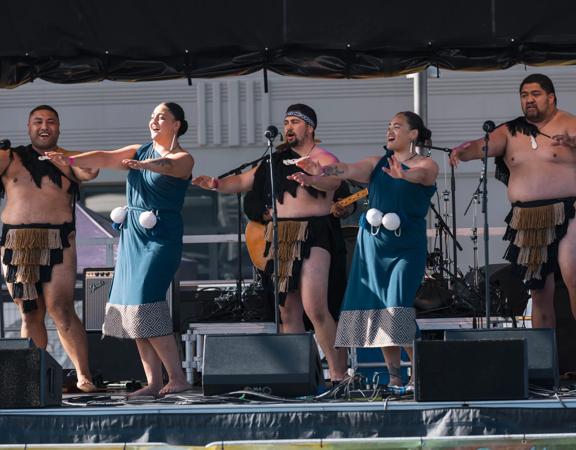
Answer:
(390, 255)
(159, 172)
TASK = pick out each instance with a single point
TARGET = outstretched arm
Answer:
(423, 172)
(178, 165)
(322, 176)
(228, 185)
(475, 149)
(97, 159)
(81, 174)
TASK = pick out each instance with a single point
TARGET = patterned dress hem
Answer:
(137, 321)
(377, 327)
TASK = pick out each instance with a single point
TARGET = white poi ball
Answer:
(391, 221)
(147, 219)
(118, 214)
(374, 217)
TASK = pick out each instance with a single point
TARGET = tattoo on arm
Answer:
(331, 170)
(162, 162)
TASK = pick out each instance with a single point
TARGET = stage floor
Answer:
(191, 419)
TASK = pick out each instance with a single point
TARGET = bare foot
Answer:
(173, 387)
(85, 385)
(150, 391)
(395, 381)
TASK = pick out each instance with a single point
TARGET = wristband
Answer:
(216, 184)
(71, 160)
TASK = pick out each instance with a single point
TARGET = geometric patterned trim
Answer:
(137, 321)
(376, 327)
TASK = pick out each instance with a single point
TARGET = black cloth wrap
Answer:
(551, 266)
(258, 200)
(281, 172)
(56, 257)
(39, 169)
(518, 125)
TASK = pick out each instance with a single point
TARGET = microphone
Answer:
(5, 144)
(271, 133)
(488, 126)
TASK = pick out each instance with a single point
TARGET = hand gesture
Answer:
(564, 140)
(456, 153)
(132, 164)
(57, 158)
(301, 178)
(395, 170)
(309, 166)
(205, 182)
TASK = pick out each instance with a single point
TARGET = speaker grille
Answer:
(97, 284)
(278, 364)
(470, 370)
(29, 378)
(540, 346)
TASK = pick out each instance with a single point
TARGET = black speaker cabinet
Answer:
(470, 370)
(277, 364)
(540, 346)
(29, 377)
(114, 359)
(97, 284)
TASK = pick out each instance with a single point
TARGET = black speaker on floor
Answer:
(540, 346)
(470, 370)
(114, 359)
(29, 376)
(277, 364)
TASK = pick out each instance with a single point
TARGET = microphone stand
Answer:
(455, 245)
(275, 277)
(486, 237)
(239, 278)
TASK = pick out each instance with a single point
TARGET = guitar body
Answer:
(255, 243)
(255, 232)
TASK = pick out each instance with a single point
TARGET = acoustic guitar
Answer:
(255, 231)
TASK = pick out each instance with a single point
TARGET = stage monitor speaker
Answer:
(540, 346)
(97, 284)
(470, 370)
(277, 364)
(113, 359)
(29, 377)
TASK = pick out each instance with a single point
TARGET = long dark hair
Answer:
(415, 122)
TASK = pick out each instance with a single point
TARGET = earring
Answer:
(411, 147)
(172, 143)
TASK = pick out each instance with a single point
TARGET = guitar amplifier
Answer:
(97, 284)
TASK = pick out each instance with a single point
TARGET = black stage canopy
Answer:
(74, 41)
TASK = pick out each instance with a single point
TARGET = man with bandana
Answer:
(536, 158)
(308, 238)
(38, 239)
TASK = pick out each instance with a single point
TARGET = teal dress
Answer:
(387, 268)
(147, 258)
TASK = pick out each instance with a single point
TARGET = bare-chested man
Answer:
(536, 154)
(304, 223)
(38, 239)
